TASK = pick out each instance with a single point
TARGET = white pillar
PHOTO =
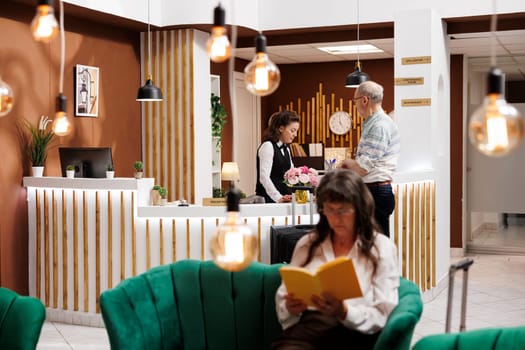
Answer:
(425, 130)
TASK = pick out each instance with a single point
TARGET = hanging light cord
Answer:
(493, 22)
(62, 47)
(358, 33)
(149, 45)
(231, 62)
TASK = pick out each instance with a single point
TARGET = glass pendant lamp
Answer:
(233, 245)
(495, 127)
(44, 25)
(218, 45)
(6, 98)
(61, 125)
(261, 75)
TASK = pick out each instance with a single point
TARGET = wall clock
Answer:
(340, 122)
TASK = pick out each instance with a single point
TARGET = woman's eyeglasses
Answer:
(338, 212)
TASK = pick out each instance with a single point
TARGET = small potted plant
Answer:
(139, 168)
(155, 195)
(40, 140)
(163, 192)
(70, 171)
(110, 172)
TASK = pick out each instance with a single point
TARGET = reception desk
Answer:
(86, 235)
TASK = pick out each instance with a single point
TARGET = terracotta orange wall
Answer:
(32, 71)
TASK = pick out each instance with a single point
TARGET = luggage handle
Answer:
(309, 189)
(460, 265)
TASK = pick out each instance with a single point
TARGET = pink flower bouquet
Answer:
(301, 176)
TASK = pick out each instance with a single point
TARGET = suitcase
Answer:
(284, 238)
(460, 265)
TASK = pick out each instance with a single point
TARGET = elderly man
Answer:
(377, 152)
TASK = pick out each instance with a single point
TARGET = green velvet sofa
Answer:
(193, 304)
(21, 320)
(478, 339)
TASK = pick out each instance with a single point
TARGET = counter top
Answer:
(246, 210)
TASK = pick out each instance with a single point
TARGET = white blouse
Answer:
(369, 313)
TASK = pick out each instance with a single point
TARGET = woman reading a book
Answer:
(346, 228)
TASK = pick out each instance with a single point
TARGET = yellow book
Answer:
(337, 277)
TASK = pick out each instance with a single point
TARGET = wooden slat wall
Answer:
(414, 231)
(315, 115)
(168, 133)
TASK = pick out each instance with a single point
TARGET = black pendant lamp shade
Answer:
(355, 78)
(149, 92)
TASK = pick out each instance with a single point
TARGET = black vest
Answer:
(280, 165)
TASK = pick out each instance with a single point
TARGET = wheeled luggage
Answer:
(284, 238)
(460, 265)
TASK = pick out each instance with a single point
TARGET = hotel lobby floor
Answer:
(496, 298)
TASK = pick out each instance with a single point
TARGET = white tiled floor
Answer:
(496, 298)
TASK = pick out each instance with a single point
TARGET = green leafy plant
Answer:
(70, 167)
(138, 166)
(218, 118)
(218, 192)
(163, 192)
(40, 140)
(110, 167)
(156, 188)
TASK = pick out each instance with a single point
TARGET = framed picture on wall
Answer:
(86, 91)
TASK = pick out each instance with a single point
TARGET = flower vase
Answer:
(301, 196)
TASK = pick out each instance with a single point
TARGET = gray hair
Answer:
(371, 89)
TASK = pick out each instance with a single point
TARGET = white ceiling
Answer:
(509, 47)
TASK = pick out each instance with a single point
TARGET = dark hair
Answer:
(277, 120)
(346, 186)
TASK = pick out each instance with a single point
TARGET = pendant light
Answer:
(233, 245)
(261, 75)
(149, 92)
(357, 77)
(6, 98)
(496, 127)
(61, 125)
(218, 46)
(44, 25)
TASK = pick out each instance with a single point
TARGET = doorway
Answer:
(494, 190)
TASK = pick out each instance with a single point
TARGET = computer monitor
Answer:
(88, 161)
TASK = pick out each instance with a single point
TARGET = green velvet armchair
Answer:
(193, 304)
(21, 320)
(478, 339)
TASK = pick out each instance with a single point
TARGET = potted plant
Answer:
(155, 195)
(110, 172)
(70, 171)
(40, 140)
(218, 119)
(139, 169)
(163, 192)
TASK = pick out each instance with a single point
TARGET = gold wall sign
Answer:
(410, 81)
(416, 60)
(415, 102)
